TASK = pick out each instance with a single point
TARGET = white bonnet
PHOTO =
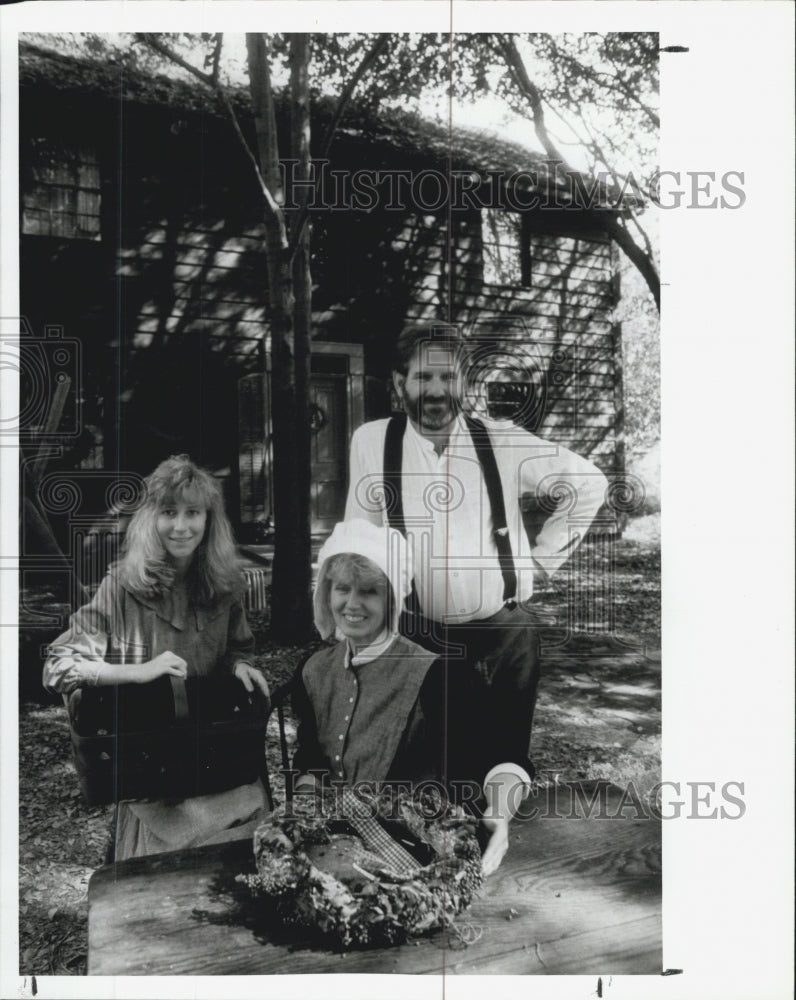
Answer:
(384, 546)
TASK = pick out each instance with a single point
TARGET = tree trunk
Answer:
(300, 237)
(290, 586)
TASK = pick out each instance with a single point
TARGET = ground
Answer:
(598, 716)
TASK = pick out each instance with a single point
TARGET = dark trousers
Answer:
(498, 660)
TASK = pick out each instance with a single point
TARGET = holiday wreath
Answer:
(313, 870)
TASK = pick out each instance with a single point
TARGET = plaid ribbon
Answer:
(375, 837)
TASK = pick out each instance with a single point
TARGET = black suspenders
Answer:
(494, 489)
(393, 460)
(393, 499)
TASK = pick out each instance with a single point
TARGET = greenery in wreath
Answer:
(313, 872)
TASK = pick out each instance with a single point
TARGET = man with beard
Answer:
(452, 484)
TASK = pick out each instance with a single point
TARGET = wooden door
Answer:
(329, 445)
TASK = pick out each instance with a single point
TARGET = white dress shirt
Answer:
(448, 516)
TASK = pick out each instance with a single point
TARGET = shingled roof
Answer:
(391, 134)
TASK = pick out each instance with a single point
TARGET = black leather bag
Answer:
(169, 739)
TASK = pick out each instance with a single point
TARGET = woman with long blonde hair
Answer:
(172, 605)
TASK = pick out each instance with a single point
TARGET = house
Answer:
(141, 252)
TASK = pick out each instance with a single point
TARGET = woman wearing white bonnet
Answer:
(373, 706)
(385, 547)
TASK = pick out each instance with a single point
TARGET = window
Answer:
(504, 248)
(61, 190)
(549, 251)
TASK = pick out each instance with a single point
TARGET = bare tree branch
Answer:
(614, 225)
(592, 144)
(643, 232)
(375, 50)
(212, 81)
(621, 180)
(217, 56)
(643, 261)
(273, 207)
(164, 50)
(613, 82)
(629, 92)
(527, 87)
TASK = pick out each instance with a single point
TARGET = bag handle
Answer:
(180, 693)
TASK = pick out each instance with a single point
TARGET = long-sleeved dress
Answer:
(397, 718)
(118, 626)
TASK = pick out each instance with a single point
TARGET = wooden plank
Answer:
(544, 248)
(245, 359)
(563, 343)
(540, 284)
(202, 237)
(465, 280)
(632, 949)
(223, 306)
(564, 246)
(480, 308)
(247, 333)
(577, 892)
(585, 257)
(553, 275)
(209, 271)
(568, 424)
(565, 298)
(567, 243)
(580, 404)
(579, 267)
(566, 380)
(202, 252)
(514, 300)
(522, 321)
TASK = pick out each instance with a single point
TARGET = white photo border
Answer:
(727, 415)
